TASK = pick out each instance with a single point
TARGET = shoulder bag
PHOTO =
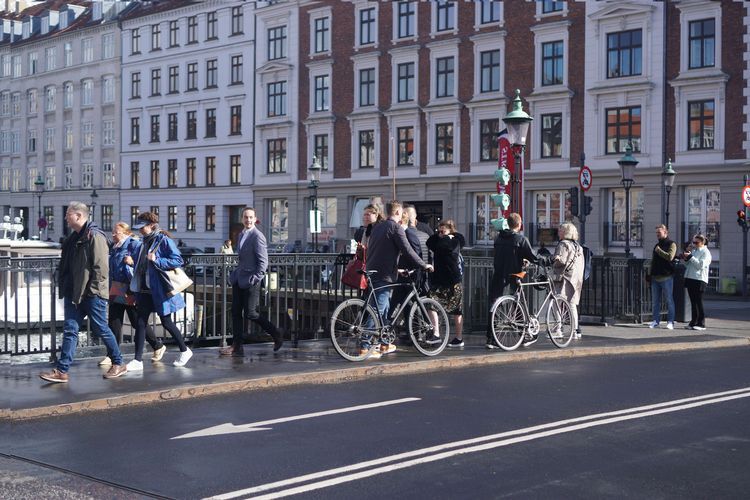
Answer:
(352, 277)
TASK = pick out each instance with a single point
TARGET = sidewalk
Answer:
(25, 395)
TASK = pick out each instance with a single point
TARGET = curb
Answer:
(351, 374)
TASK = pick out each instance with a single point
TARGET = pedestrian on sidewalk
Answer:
(121, 299)
(400, 293)
(567, 268)
(371, 215)
(226, 248)
(158, 255)
(246, 279)
(662, 276)
(697, 261)
(83, 278)
(446, 284)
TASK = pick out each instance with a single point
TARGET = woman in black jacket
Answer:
(446, 282)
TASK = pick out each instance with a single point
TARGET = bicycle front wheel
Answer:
(429, 337)
(353, 324)
(560, 321)
(509, 321)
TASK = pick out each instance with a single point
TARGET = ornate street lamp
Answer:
(314, 170)
(627, 165)
(39, 184)
(667, 179)
(517, 123)
(94, 197)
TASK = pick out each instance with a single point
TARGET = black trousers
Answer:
(117, 314)
(695, 290)
(245, 306)
(144, 307)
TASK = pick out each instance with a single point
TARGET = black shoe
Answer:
(433, 339)
(278, 339)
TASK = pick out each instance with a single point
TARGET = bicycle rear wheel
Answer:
(353, 323)
(422, 330)
(560, 321)
(509, 321)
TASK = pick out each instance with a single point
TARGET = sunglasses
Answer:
(695, 242)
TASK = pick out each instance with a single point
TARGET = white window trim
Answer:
(394, 123)
(477, 115)
(683, 95)
(439, 50)
(434, 18)
(314, 15)
(451, 115)
(326, 128)
(358, 125)
(402, 56)
(694, 12)
(478, 17)
(550, 32)
(315, 70)
(541, 15)
(394, 14)
(616, 18)
(364, 5)
(485, 43)
(366, 61)
(550, 105)
(625, 99)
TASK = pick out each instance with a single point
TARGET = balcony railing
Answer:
(711, 230)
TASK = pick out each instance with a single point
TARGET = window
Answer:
(16, 66)
(108, 89)
(154, 209)
(87, 92)
(444, 143)
(174, 33)
(5, 180)
(192, 76)
(156, 81)
(135, 130)
(367, 87)
(552, 63)
(235, 170)
(405, 146)
(444, 80)
(87, 134)
(488, 130)
(190, 209)
(171, 126)
(703, 212)
(624, 56)
(50, 56)
(701, 43)
(406, 21)
(68, 54)
(135, 174)
(552, 135)
(108, 46)
(552, 209)
(172, 218)
(489, 11)
(31, 140)
(321, 29)
(321, 93)
(135, 85)
(320, 149)
(445, 14)
(155, 128)
(49, 139)
(277, 99)
(277, 43)
(237, 20)
(87, 176)
(623, 126)
(212, 69)
(172, 173)
(235, 120)
(616, 234)
(328, 216)
(192, 125)
(68, 137)
(490, 71)
(236, 75)
(211, 122)
(135, 42)
(5, 103)
(366, 149)
(49, 177)
(108, 133)
(108, 175)
(32, 101)
(210, 217)
(276, 156)
(155, 37)
(154, 173)
(49, 98)
(174, 79)
(190, 167)
(367, 26)
(701, 125)
(211, 33)
(134, 211)
(87, 50)
(405, 82)
(485, 209)
(279, 218)
(192, 29)
(210, 170)
(67, 95)
(49, 216)
(549, 6)
(107, 212)
(33, 63)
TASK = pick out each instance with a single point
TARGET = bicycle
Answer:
(512, 322)
(355, 322)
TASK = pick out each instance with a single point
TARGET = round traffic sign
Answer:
(585, 178)
(746, 196)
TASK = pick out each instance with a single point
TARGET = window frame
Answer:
(701, 119)
(636, 142)
(634, 51)
(276, 155)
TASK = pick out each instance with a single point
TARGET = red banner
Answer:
(515, 188)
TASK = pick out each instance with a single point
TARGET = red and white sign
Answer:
(515, 189)
(584, 178)
(746, 196)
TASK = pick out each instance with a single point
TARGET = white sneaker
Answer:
(183, 358)
(135, 366)
(653, 324)
(158, 353)
(670, 325)
(557, 334)
(105, 362)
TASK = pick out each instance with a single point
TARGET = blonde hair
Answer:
(125, 227)
(405, 218)
(569, 231)
(449, 224)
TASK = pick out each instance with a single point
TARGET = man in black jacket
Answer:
(662, 276)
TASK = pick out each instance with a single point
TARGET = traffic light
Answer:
(573, 192)
(587, 204)
(741, 218)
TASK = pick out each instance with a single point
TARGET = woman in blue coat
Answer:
(158, 254)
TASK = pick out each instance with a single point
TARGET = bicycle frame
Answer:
(412, 296)
(524, 302)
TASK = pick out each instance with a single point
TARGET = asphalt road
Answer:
(528, 430)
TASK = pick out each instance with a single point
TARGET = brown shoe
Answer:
(116, 371)
(236, 352)
(54, 376)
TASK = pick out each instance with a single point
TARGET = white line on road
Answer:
(435, 453)
(230, 428)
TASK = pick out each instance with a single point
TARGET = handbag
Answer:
(352, 276)
(178, 281)
(120, 294)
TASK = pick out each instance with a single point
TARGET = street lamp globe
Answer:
(627, 166)
(39, 183)
(668, 175)
(94, 197)
(517, 122)
(315, 170)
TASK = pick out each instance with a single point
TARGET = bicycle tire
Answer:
(560, 321)
(421, 329)
(348, 331)
(509, 320)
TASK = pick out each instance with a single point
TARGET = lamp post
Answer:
(517, 122)
(667, 179)
(314, 170)
(39, 183)
(627, 165)
(94, 197)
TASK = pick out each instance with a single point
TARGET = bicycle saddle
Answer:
(370, 272)
(520, 275)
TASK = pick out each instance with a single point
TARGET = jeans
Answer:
(245, 306)
(659, 288)
(96, 309)
(382, 299)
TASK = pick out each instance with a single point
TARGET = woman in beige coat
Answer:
(567, 268)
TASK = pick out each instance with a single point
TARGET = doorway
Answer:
(429, 212)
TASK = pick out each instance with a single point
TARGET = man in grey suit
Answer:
(246, 279)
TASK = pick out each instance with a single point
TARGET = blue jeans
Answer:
(382, 299)
(96, 309)
(659, 288)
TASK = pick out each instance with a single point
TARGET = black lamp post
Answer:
(667, 178)
(94, 197)
(314, 170)
(39, 184)
(627, 165)
(517, 122)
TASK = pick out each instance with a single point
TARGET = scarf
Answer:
(140, 269)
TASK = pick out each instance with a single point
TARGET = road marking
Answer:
(230, 428)
(482, 443)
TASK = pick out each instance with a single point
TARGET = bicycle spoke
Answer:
(429, 333)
